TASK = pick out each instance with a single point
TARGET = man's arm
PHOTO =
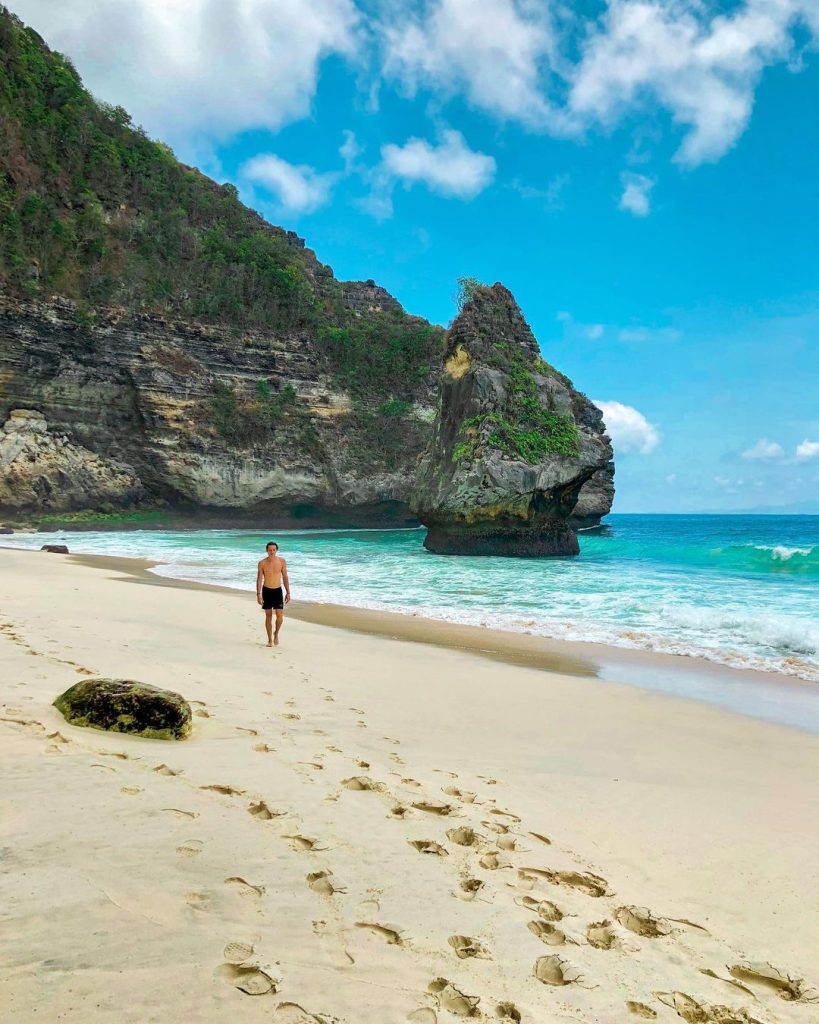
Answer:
(259, 582)
(286, 580)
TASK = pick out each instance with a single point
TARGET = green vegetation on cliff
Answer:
(524, 428)
(94, 210)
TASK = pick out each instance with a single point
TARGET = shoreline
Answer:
(770, 696)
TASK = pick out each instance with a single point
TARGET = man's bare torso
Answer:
(271, 568)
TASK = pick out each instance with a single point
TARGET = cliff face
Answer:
(513, 445)
(160, 342)
(190, 414)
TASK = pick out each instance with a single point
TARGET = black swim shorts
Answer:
(272, 597)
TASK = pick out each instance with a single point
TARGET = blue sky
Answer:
(643, 174)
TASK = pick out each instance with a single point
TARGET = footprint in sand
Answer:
(505, 814)
(508, 844)
(583, 881)
(190, 848)
(541, 838)
(197, 900)
(322, 882)
(392, 936)
(202, 713)
(163, 769)
(261, 811)
(243, 973)
(57, 738)
(294, 1013)
(641, 921)
(640, 1010)
(468, 889)
(132, 790)
(493, 860)
(464, 836)
(429, 846)
(247, 732)
(264, 748)
(180, 813)
(467, 948)
(554, 970)
(548, 933)
(423, 1016)
(400, 812)
(694, 1012)
(304, 844)
(601, 935)
(544, 909)
(434, 807)
(508, 1011)
(767, 976)
(452, 999)
(224, 790)
(27, 723)
(464, 795)
(103, 767)
(247, 890)
(361, 783)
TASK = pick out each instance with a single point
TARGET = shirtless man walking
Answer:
(271, 572)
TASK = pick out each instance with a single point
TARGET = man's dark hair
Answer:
(271, 543)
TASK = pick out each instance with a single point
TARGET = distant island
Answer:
(165, 348)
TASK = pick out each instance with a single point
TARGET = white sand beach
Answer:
(365, 829)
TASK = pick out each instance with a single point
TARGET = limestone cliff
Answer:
(193, 415)
(513, 445)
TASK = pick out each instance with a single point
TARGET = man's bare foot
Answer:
(269, 643)
(276, 641)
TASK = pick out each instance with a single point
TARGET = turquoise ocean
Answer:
(741, 590)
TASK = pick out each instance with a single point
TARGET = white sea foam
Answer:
(667, 596)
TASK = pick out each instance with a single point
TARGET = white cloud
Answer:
(200, 70)
(691, 58)
(550, 68)
(491, 51)
(350, 150)
(451, 168)
(764, 449)
(636, 197)
(807, 450)
(629, 430)
(551, 196)
(299, 189)
(576, 329)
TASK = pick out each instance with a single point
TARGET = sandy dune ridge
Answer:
(370, 830)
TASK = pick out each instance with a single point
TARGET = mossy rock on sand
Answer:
(124, 705)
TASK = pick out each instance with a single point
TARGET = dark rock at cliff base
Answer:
(55, 549)
(123, 705)
(5, 530)
(513, 443)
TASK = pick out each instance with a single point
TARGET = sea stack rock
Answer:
(124, 705)
(514, 442)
